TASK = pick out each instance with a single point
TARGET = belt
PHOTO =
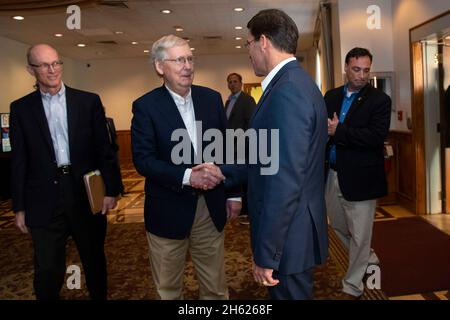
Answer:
(67, 169)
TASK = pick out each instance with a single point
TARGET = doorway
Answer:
(430, 43)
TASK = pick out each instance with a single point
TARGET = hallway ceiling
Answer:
(209, 24)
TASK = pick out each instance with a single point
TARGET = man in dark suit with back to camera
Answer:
(287, 208)
(359, 120)
(58, 134)
(184, 209)
(239, 108)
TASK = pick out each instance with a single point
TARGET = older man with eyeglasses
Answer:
(186, 208)
(58, 134)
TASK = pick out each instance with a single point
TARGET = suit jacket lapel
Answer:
(337, 102)
(73, 115)
(41, 118)
(236, 105)
(359, 99)
(202, 113)
(169, 110)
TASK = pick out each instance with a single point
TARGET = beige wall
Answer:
(406, 15)
(15, 81)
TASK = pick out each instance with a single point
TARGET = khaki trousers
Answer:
(352, 221)
(206, 246)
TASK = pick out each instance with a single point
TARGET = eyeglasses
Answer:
(248, 43)
(56, 65)
(181, 61)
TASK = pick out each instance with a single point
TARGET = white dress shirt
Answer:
(185, 106)
(56, 112)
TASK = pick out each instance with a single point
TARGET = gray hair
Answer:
(161, 46)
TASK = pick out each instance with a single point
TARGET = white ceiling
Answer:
(141, 21)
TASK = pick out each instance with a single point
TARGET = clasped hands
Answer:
(206, 176)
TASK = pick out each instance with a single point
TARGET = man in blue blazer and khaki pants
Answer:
(287, 209)
(184, 209)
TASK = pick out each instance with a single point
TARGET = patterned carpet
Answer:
(129, 275)
(129, 270)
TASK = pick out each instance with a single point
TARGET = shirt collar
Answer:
(235, 96)
(60, 93)
(349, 94)
(274, 71)
(177, 98)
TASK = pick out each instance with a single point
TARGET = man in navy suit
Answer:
(184, 209)
(58, 134)
(287, 209)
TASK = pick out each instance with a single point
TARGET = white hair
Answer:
(161, 46)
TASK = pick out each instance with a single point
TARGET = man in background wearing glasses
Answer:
(58, 134)
(184, 209)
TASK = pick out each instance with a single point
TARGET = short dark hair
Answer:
(235, 74)
(277, 26)
(358, 53)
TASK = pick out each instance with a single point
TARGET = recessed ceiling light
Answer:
(238, 9)
(238, 28)
(58, 35)
(166, 11)
(118, 32)
(179, 29)
(187, 39)
(238, 47)
(146, 51)
(238, 38)
(18, 18)
(192, 49)
(134, 42)
(82, 45)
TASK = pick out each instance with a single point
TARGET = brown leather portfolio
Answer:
(95, 189)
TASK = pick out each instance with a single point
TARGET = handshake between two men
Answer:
(207, 176)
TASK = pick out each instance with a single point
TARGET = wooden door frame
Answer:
(418, 126)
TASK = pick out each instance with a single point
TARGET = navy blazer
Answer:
(359, 142)
(34, 169)
(287, 210)
(169, 206)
